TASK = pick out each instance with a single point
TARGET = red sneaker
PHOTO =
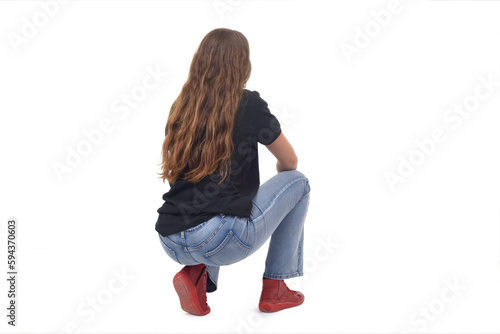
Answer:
(276, 296)
(190, 284)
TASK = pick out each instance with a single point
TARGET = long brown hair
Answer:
(198, 135)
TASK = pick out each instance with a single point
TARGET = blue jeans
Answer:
(279, 211)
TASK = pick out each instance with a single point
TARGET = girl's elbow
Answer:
(292, 164)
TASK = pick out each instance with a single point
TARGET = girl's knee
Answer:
(296, 174)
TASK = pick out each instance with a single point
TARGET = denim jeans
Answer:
(279, 211)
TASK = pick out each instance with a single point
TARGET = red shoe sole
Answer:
(270, 307)
(187, 295)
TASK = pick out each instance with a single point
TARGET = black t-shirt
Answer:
(188, 204)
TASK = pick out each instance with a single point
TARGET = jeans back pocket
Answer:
(231, 250)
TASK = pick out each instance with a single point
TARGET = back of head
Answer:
(198, 134)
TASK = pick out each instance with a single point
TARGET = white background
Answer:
(374, 258)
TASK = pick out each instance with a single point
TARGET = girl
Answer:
(215, 213)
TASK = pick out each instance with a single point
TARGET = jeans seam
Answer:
(230, 235)
(286, 276)
(299, 257)
(196, 228)
(173, 242)
(186, 250)
(271, 204)
(203, 224)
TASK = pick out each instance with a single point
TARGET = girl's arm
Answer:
(283, 151)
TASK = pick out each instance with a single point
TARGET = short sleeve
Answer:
(266, 126)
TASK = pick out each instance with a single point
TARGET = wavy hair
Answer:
(198, 135)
